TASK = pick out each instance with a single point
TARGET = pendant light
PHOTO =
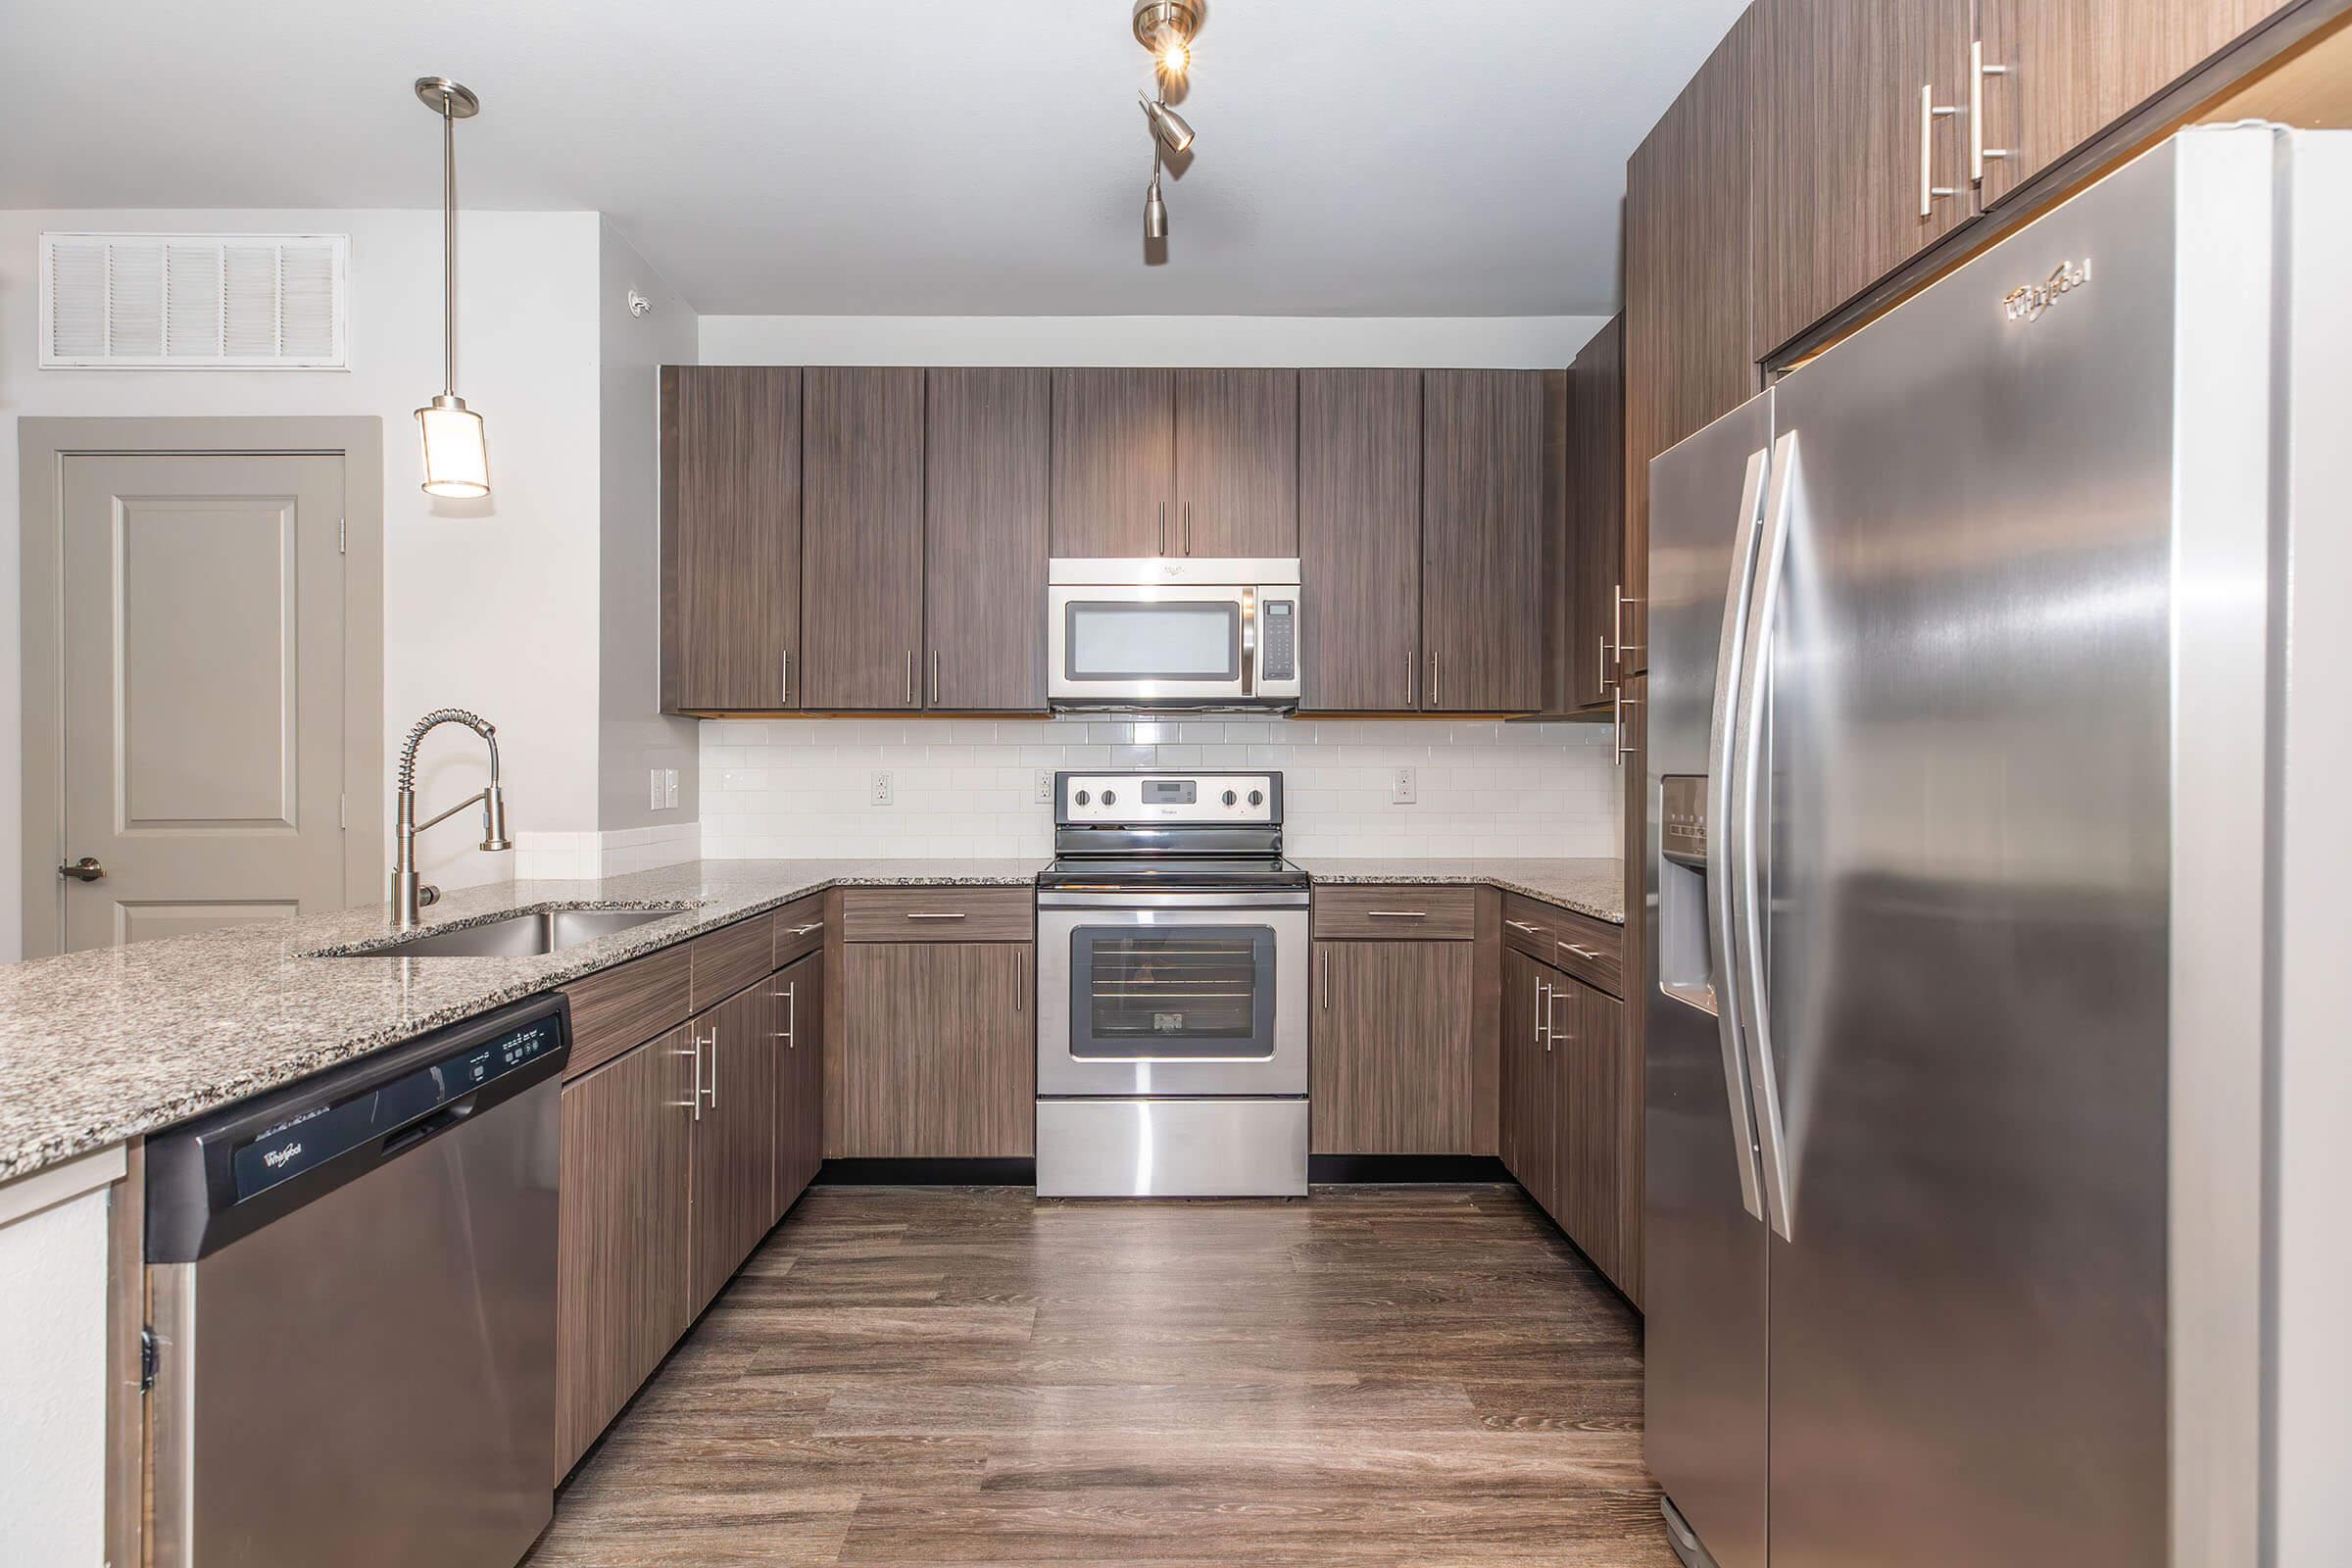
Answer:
(457, 454)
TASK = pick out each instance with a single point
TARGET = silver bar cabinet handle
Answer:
(1522, 925)
(909, 677)
(1395, 914)
(1437, 697)
(1551, 1029)
(804, 930)
(787, 674)
(915, 917)
(1618, 704)
(1412, 667)
(713, 1085)
(1325, 956)
(1164, 528)
(696, 1101)
(1544, 1013)
(1929, 112)
(1188, 528)
(1978, 70)
(935, 674)
(1581, 953)
(1016, 980)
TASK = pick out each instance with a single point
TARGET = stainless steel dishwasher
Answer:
(352, 1285)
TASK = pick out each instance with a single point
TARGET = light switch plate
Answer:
(878, 793)
(669, 789)
(656, 802)
(1401, 788)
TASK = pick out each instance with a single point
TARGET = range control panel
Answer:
(1136, 799)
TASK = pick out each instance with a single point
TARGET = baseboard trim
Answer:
(1005, 1172)
(1397, 1169)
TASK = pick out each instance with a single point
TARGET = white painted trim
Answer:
(1480, 342)
(47, 1188)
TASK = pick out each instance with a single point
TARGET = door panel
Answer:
(1481, 546)
(1527, 1144)
(1237, 465)
(939, 1051)
(730, 537)
(1359, 539)
(862, 537)
(800, 1000)
(1837, 150)
(1389, 1071)
(1114, 463)
(202, 687)
(2076, 67)
(622, 1270)
(734, 1148)
(1596, 518)
(987, 444)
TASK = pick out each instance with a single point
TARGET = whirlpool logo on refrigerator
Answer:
(2028, 301)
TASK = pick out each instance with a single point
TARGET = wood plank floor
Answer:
(1379, 1375)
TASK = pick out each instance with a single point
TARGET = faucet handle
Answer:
(427, 896)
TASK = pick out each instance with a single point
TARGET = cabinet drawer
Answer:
(1530, 926)
(796, 930)
(937, 914)
(1404, 913)
(626, 1006)
(1593, 950)
(730, 958)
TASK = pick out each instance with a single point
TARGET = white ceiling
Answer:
(904, 157)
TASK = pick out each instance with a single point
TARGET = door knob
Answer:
(85, 869)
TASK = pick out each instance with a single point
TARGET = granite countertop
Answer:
(1593, 886)
(99, 1047)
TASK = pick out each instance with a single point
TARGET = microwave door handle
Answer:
(1249, 642)
(1721, 848)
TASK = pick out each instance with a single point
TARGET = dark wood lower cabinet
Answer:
(734, 1136)
(938, 1051)
(798, 997)
(1527, 1144)
(624, 1285)
(1392, 1065)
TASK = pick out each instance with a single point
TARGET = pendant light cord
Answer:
(449, 250)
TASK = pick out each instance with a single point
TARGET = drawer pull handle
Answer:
(914, 916)
(804, 930)
(1581, 953)
(1395, 914)
(1522, 925)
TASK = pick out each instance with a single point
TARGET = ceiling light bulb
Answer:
(1174, 58)
(1156, 213)
(1167, 125)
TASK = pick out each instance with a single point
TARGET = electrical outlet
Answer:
(1402, 790)
(878, 793)
(1043, 787)
(656, 802)
(669, 789)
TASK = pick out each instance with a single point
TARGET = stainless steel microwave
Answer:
(1163, 633)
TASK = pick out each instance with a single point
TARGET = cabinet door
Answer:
(623, 1290)
(1115, 462)
(939, 1051)
(1390, 1065)
(2076, 67)
(1526, 1069)
(1237, 465)
(730, 537)
(799, 995)
(1359, 539)
(862, 537)
(735, 1139)
(1843, 198)
(1629, 1019)
(1617, 1127)
(1596, 518)
(988, 446)
(1482, 541)
(1588, 1119)
(1689, 351)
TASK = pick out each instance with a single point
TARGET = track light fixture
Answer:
(1166, 29)
(1167, 125)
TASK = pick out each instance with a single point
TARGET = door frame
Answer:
(42, 446)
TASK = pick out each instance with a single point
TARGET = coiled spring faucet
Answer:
(408, 895)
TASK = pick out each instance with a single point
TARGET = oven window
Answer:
(1180, 640)
(1171, 993)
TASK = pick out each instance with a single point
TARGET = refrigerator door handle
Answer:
(1727, 651)
(1747, 770)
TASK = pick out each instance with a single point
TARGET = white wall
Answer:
(794, 788)
(1498, 342)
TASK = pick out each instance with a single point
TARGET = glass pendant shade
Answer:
(456, 453)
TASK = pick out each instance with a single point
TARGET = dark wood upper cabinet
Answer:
(730, 537)
(1115, 462)
(1588, 623)
(984, 476)
(1482, 541)
(1845, 109)
(1237, 465)
(862, 537)
(2073, 68)
(1689, 352)
(1359, 539)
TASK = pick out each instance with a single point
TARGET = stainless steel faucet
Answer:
(409, 896)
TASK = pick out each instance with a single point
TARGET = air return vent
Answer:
(196, 302)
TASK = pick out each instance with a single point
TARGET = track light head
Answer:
(1167, 125)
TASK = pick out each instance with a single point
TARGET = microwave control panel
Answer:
(1278, 639)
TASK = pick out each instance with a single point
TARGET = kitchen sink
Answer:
(525, 933)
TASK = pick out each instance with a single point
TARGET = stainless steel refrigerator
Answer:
(1967, 755)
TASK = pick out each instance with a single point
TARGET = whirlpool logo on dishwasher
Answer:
(2028, 301)
(278, 1156)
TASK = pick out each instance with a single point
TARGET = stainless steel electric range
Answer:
(1172, 991)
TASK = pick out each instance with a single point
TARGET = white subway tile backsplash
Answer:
(795, 788)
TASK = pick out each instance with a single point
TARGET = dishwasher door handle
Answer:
(440, 1121)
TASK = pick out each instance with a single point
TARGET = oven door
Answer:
(1173, 994)
(1141, 643)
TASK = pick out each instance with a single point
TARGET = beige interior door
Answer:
(203, 692)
